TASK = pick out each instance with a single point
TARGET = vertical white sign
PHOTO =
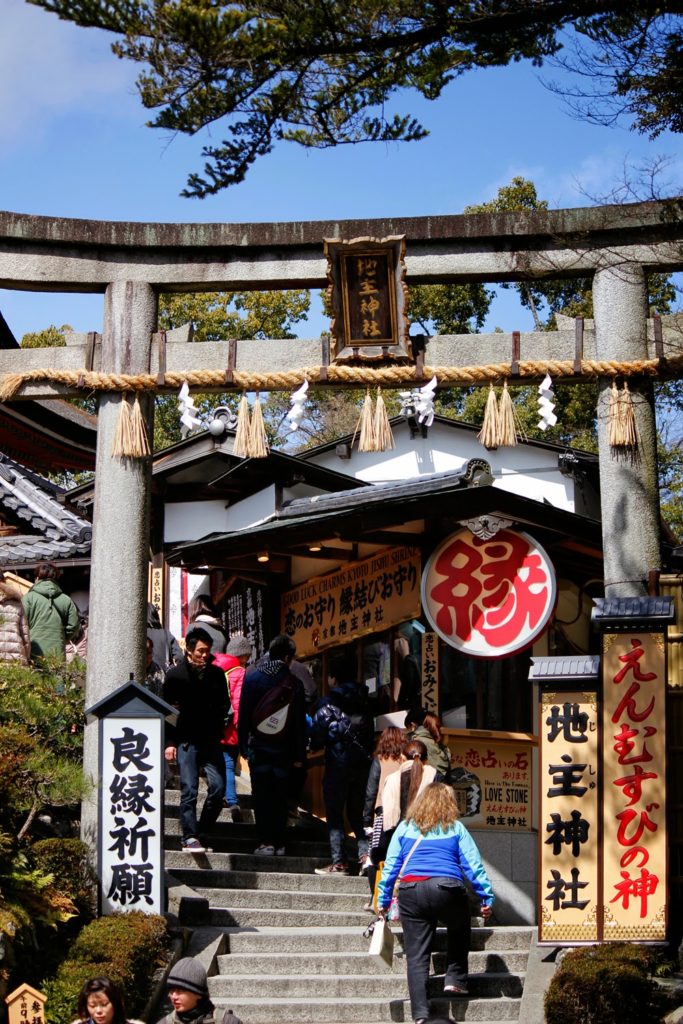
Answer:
(131, 815)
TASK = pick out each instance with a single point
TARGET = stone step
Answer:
(172, 794)
(387, 986)
(285, 881)
(229, 825)
(358, 962)
(224, 842)
(221, 861)
(245, 917)
(337, 940)
(280, 899)
(365, 1011)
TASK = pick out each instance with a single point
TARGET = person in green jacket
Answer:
(51, 615)
(429, 732)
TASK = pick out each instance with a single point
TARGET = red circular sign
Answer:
(489, 598)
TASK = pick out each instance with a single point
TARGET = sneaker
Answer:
(193, 845)
(365, 866)
(280, 852)
(333, 869)
(456, 990)
(264, 850)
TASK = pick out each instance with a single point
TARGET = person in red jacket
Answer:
(234, 663)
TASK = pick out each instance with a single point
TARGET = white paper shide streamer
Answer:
(546, 404)
(189, 420)
(420, 403)
(298, 402)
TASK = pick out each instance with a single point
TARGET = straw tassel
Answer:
(629, 425)
(258, 442)
(384, 438)
(123, 438)
(488, 435)
(507, 433)
(623, 428)
(366, 442)
(138, 430)
(613, 416)
(241, 443)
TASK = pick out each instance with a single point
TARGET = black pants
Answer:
(270, 777)
(344, 789)
(422, 905)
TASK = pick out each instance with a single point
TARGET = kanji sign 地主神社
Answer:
(367, 294)
(569, 837)
(489, 597)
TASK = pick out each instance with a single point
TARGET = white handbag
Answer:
(382, 942)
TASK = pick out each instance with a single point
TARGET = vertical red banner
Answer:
(634, 787)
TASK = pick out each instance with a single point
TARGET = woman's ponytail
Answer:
(417, 753)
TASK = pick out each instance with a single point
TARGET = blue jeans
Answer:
(192, 758)
(421, 906)
(230, 755)
(344, 789)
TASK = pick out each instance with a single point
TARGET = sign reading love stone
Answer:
(489, 597)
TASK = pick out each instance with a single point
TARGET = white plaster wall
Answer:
(190, 520)
(524, 470)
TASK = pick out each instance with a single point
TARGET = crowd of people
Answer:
(101, 1002)
(392, 789)
(39, 624)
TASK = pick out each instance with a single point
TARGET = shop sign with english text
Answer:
(362, 597)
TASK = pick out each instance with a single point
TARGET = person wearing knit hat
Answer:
(234, 662)
(188, 991)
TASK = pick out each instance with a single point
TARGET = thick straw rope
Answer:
(362, 376)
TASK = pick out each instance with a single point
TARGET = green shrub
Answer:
(127, 948)
(604, 984)
(68, 861)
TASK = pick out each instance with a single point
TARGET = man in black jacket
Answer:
(273, 739)
(199, 691)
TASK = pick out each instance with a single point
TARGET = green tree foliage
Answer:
(41, 716)
(217, 316)
(322, 74)
(575, 405)
(573, 296)
(50, 337)
(450, 308)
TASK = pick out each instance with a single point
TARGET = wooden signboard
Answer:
(491, 779)
(367, 293)
(569, 834)
(26, 1005)
(362, 597)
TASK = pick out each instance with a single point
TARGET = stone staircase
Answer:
(287, 945)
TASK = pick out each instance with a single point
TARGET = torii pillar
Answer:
(628, 480)
(117, 628)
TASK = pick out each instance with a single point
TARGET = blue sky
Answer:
(74, 144)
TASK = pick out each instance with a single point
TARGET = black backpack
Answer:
(272, 716)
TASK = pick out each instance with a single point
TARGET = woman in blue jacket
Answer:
(431, 854)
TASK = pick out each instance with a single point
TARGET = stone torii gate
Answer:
(132, 263)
